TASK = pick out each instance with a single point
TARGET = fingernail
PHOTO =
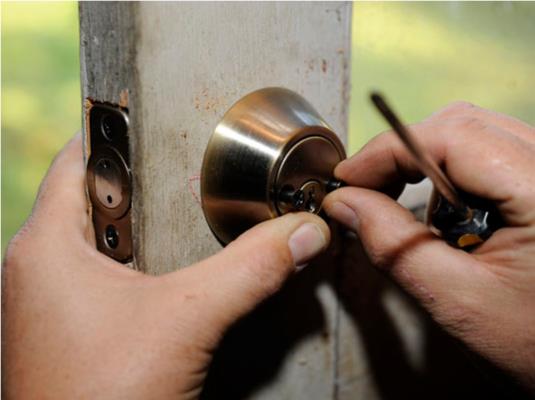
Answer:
(344, 214)
(307, 241)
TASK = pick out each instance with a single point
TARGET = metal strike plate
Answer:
(108, 179)
(271, 154)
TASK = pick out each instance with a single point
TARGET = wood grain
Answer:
(178, 67)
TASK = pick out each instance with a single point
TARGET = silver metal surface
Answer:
(270, 143)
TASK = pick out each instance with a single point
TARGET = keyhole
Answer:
(110, 199)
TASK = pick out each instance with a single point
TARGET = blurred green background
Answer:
(40, 99)
(426, 55)
(422, 55)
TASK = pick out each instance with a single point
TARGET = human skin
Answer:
(486, 298)
(78, 325)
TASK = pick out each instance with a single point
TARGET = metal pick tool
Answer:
(461, 225)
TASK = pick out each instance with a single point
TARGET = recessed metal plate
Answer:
(108, 179)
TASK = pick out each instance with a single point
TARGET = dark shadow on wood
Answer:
(253, 351)
(450, 370)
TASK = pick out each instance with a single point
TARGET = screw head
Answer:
(112, 237)
(112, 126)
(307, 198)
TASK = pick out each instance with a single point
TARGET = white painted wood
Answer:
(194, 61)
(178, 67)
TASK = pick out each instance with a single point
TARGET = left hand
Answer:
(76, 324)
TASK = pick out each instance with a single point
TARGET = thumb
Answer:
(423, 264)
(231, 283)
(61, 203)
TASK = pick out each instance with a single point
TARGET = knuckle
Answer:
(23, 246)
(460, 107)
(467, 125)
(381, 251)
(18, 249)
(390, 250)
(380, 258)
(379, 141)
(455, 109)
(382, 138)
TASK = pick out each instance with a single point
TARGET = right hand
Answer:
(487, 297)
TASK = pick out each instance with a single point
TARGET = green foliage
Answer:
(422, 56)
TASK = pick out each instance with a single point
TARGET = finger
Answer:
(61, 200)
(463, 109)
(480, 159)
(423, 264)
(231, 283)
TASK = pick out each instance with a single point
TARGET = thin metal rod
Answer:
(424, 161)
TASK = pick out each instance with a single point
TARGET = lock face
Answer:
(108, 179)
(271, 154)
(304, 171)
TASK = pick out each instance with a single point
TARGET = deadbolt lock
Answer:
(271, 154)
(108, 179)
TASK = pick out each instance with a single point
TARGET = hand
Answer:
(487, 297)
(76, 324)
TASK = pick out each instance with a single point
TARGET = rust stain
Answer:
(123, 98)
(324, 65)
(337, 11)
(346, 86)
(207, 102)
(88, 103)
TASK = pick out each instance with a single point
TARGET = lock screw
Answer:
(112, 126)
(307, 198)
(295, 198)
(112, 237)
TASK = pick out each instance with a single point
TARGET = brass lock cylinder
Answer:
(271, 154)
